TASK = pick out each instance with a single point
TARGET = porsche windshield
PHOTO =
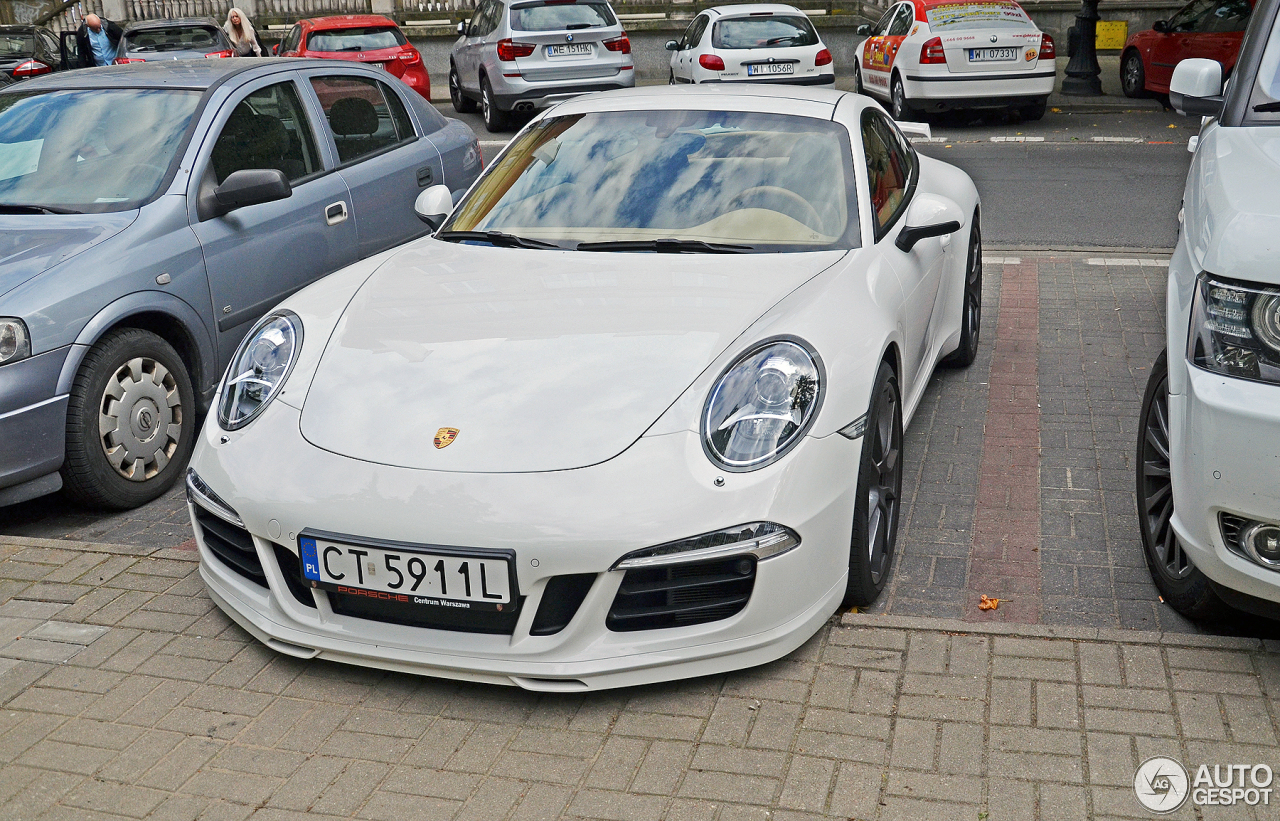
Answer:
(88, 151)
(739, 180)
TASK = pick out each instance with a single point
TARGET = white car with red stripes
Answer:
(759, 43)
(925, 56)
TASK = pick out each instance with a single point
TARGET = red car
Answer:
(365, 38)
(1203, 28)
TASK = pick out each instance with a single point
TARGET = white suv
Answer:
(1208, 466)
(524, 55)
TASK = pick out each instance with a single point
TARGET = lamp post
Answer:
(1083, 70)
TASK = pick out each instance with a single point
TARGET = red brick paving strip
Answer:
(1004, 561)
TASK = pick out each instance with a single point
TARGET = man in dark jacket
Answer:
(97, 41)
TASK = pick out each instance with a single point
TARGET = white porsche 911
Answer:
(926, 56)
(633, 413)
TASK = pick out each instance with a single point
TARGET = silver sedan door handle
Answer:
(335, 213)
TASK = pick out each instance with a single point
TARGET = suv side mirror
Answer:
(1160, 26)
(863, 30)
(928, 216)
(434, 205)
(462, 28)
(251, 186)
(1196, 87)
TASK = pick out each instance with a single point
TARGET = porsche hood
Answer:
(492, 360)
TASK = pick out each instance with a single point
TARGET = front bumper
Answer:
(1224, 438)
(559, 523)
(33, 426)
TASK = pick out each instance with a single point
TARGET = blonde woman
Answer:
(241, 34)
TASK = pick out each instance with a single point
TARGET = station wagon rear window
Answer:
(966, 16)
(776, 31)
(17, 45)
(557, 15)
(357, 39)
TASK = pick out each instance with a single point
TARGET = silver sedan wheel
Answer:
(140, 419)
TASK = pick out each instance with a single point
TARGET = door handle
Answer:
(336, 213)
(424, 176)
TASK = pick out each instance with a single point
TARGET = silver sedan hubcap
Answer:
(140, 419)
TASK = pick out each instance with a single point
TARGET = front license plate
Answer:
(989, 55)
(770, 68)
(568, 49)
(408, 576)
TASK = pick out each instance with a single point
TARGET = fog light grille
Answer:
(291, 569)
(232, 545)
(1259, 542)
(683, 594)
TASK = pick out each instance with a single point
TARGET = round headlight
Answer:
(1266, 319)
(259, 368)
(762, 405)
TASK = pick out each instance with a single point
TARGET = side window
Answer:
(291, 39)
(477, 21)
(399, 116)
(889, 165)
(1229, 15)
(1191, 16)
(699, 28)
(882, 25)
(267, 129)
(360, 119)
(902, 23)
(492, 16)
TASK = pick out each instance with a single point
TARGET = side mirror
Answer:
(1196, 87)
(863, 30)
(462, 29)
(434, 205)
(1160, 26)
(928, 216)
(915, 129)
(672, 45)
(252, 186)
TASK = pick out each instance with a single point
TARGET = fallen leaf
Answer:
(1173, 126)
(985, 603)
(1056, 110)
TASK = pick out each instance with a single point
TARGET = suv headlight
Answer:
(259, 368)
(15, 342)
(1235, 329)
(762, 405)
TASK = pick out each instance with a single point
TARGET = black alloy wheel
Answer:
(461, 102)
(131, 422)
(1133, 76)
(879, 494)
(971, 316)
(494, 118)
(1183, 586)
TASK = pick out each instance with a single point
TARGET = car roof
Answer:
(347, 21)
(170, 22)
(746, 9)
(18, 29)
(189, 74)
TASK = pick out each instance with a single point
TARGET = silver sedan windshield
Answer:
(89, 151)
(757, 181)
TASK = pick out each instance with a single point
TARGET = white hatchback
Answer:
(1207, 460)
(755, 43)
(925, 56)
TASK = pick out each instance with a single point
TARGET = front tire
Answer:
(494, 118)
(1133, 75)
(1180, 582)
(901, 108)
(130, 422)
(857, 79)
(461, 102)
(971, 317)
(878, 499)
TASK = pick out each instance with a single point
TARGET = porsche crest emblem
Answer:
(445, 436)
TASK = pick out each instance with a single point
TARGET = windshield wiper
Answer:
(775, 40)
(1266, 108)
(575, 26)
(9, 208)
(666, 246)
(497, 238)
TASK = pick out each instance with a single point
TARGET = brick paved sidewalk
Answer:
(127, 694)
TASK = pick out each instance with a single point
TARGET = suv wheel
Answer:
(494, 118)
(130, 422)
(461, 102)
